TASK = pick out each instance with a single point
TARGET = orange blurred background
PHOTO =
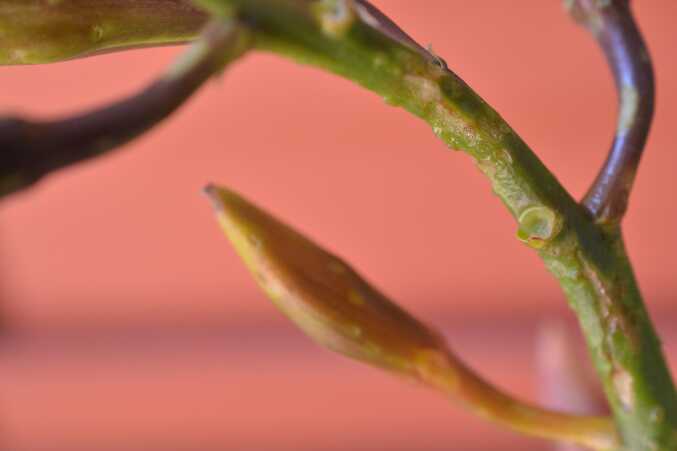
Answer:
(131, 324)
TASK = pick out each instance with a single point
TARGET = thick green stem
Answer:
(588, 260)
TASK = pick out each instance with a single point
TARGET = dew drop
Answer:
(355, 331)
(254, 241)
(97, 33)
(373, 348)
(18, 56)
(392, 100)
(336, 17)
(623, 383)
(356, 298)
(436, 60)
(657, 415)
(506, 156)
(337, 267)
(487, 167)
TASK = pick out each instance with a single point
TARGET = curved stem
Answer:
(30, 149)
(452, 377)
(336, 307)
(588, 260)
(614, 27)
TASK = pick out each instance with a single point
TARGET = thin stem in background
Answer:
(613, 26)
(31, 149)
(566, 380)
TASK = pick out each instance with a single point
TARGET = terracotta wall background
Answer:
(133, 323)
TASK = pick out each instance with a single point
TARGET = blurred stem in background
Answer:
(31, 149)
(566, 381)
(581, 245)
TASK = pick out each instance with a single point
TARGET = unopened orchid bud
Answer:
(319, 292)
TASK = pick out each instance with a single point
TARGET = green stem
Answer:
(588, 260)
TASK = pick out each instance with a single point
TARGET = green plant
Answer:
(581, 244)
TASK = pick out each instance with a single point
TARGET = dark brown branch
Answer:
(31, 149)
(612, 24)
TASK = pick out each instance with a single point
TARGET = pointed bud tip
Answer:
(209, 188)
(212, 193)
(218, 196)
